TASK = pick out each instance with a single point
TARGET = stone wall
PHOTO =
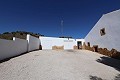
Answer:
(57, 47)
(104, 51)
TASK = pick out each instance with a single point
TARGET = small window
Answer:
(88, 43)
(102, 31)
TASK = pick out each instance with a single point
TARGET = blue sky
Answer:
(44, 16)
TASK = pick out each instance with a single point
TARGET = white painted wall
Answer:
(33, 42)
(10, 48)
(82, 40)
(111, 23)
(48, 42)
(68, 44)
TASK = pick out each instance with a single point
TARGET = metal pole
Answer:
(62, 27)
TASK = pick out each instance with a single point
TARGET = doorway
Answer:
(95, 48)
(79, 44)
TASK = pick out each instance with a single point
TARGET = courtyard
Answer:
(60, 65)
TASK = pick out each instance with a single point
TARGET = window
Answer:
(102, 31)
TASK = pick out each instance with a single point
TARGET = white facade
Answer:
(33, 43)
(68, 43)
(111, 39)
(48, 42)
(82, 40)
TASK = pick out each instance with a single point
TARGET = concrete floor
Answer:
(60, 65)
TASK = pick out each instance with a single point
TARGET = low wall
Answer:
(33, 43)
(10, 48)
(111, 53)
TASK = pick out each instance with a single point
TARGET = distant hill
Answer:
(18, 34)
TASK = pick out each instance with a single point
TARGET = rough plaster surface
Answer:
(111, 23)
(57, 65)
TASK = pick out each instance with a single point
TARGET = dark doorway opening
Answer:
(88, 44)
(95, 48)
(79, 44)
(40, 47)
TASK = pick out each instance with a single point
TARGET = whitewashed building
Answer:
(68, 43)
(106, 32)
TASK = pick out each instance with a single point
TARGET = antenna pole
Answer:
(62, 27)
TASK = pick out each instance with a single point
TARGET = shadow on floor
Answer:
(95, 78)
(117, 77)
(7, 59)
(70, 50)
(110, 62)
